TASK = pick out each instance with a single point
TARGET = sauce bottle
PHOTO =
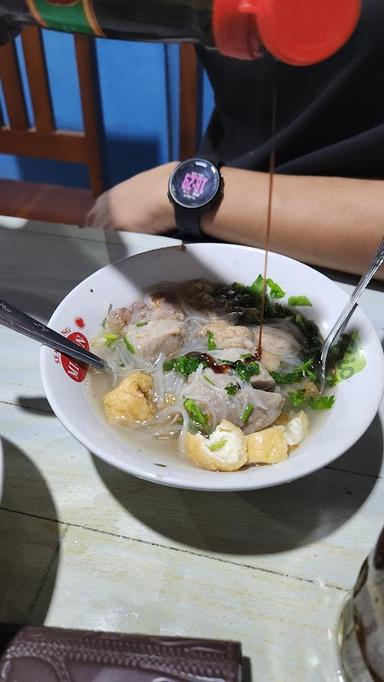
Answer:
(361, 633)
(298, 32)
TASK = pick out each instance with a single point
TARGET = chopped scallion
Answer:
(275, 289)
(218, 445)
(110, 339)
(195, 413)
(257, 286)
(247, 413)
(128, 345)
(299, 301)
(211, 341)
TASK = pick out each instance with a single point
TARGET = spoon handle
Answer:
(344, 316)
(24, 324)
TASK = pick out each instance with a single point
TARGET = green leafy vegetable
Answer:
(211, 341)
(298, 398)
(310, 331)
(218, 445)
(232, 389)
(141, 324)
(299, 300)
(298, 374)
(208, 380)
(247, 413)
(110, 339)
(128, 345)
(318, 402)
(321, 402)
(246, 370)
(275, 289)
(196, 414)
(185, 364)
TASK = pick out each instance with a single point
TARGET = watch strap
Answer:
(188, 222)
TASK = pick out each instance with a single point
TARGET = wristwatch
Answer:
(195, 186)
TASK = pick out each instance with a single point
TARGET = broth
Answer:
(186, 367)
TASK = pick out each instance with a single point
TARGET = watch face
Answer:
(194, 183)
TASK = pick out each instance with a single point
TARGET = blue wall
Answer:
(139, 92)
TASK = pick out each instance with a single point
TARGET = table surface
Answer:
(84, 545)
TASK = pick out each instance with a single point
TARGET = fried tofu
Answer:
(131, 400)
(296, 428)
(268, 446)
(223, 450)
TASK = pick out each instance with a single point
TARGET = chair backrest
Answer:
(188, 101)
(42, 139)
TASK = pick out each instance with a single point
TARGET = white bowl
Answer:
(357, 399)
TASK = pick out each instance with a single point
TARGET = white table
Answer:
(84, 545)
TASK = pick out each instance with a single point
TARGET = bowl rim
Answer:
(375, 395)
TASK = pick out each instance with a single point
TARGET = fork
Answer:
(348, 311)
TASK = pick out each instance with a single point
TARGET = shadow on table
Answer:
(29, 545)
(50, 273)
(261, 521)
(35, 404)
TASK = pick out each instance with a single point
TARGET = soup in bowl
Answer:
(200, 397)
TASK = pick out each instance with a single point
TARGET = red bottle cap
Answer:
(297, 32)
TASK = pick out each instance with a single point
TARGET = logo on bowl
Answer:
(74, 369)
(79, 322)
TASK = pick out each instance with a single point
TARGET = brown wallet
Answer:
(44, 654)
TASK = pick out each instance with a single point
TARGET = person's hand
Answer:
(139, 204)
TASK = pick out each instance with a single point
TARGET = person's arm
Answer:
(330, 222)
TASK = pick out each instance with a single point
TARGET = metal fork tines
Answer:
(348, 311)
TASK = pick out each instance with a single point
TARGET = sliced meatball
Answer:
(263, 380)
(227, 335)
(270, 361)
(160, 305)
(209, 390)
(278, 342)
(267, 408)
(117, 319)
(156, 337)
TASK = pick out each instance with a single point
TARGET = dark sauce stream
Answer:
(272, 164)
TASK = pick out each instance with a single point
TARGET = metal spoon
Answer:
(24, 324)
(349, 309)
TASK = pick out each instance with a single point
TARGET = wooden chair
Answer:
(44, 141)
(189, 69)
(54, 203)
